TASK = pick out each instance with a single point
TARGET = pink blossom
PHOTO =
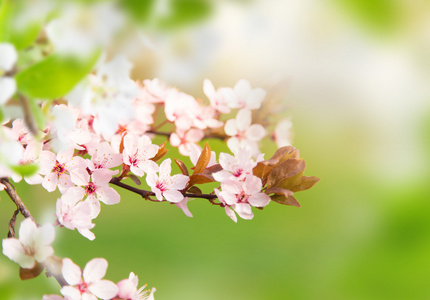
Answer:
(165, 185)
(75, 214)
(244, 96)
(87, 285)
(34, 244)
(242, 133)
(217, 98)
(138, 153)
(183, 205)
(185, 140)
(104, 158)
(127, 289)
(54, 297)
(21, 132)
(155, 91)
(95, 187)
(56, 169)
(240, 196)
(178, 109)
(236, 168)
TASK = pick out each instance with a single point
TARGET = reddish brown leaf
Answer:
(262, 169)
(284, 153)
(203, 160)
(161, 152)
(25, 274)
(195, 190)
(200, 179)
(212, 169)
(121, 144)
(305, 183)
(287, 169)
(285, 200)
(182, 167)
(279, 191)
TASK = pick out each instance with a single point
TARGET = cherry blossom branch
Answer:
(209, 136)
(10, 190)
(146, 194)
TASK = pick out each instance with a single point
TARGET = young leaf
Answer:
(212, 169)
(281, 199)
(279, 191)
(21, 36)
(54, 76)
(195, 190)
(203, 160)
(25, 274)
(200, 179)
(135, 179)
(161, 152)
(305, 183)
(182, 167)
(284, 153)
(262, 169)
(285, 170)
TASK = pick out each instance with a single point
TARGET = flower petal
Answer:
(95, 270)
(71, 273)
(104, 289)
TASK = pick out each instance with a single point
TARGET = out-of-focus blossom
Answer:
(8, 57)
(283, 133)
(80, 30)
(185, 139)
(138, 153)
(34, 244)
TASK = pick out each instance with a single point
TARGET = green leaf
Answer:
(26, 170)
(185, 12)
(139, 10)
(12, 28)
(54, 76)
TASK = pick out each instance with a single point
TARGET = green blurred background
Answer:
(354, 77)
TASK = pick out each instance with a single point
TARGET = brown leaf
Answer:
(279, 191)
(203, 160)
(121, 144)
(284, 153)
(182, 167)
(262, 169)
(287, 169)
(135, 179)
(305, 183)
(200, 179)
(161, 152)
(281, 199)
(25, 274)
(212, 169)
(195, 190)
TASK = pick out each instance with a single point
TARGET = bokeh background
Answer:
(353, 75)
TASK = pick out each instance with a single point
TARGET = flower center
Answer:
(237, 172)
(82, 287)
(59, 168)
(242, 197)
(160, 186)
(90, 188)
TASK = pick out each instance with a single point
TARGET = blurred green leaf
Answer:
(378, 15)
(54, 76)
(185, 12)
(26, 170)
(139, 10)
(18, 34)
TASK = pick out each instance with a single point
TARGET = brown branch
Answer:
(167, 134)
(146, 194)
(10, 190)
(11, 233)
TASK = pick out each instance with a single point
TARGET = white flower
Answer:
(34, 244)
(8, 57)
(127, 289)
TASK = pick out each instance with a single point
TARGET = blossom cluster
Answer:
(96, 127)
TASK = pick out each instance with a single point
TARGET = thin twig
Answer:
(10, 190)
(146, 194)
(11, 233)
